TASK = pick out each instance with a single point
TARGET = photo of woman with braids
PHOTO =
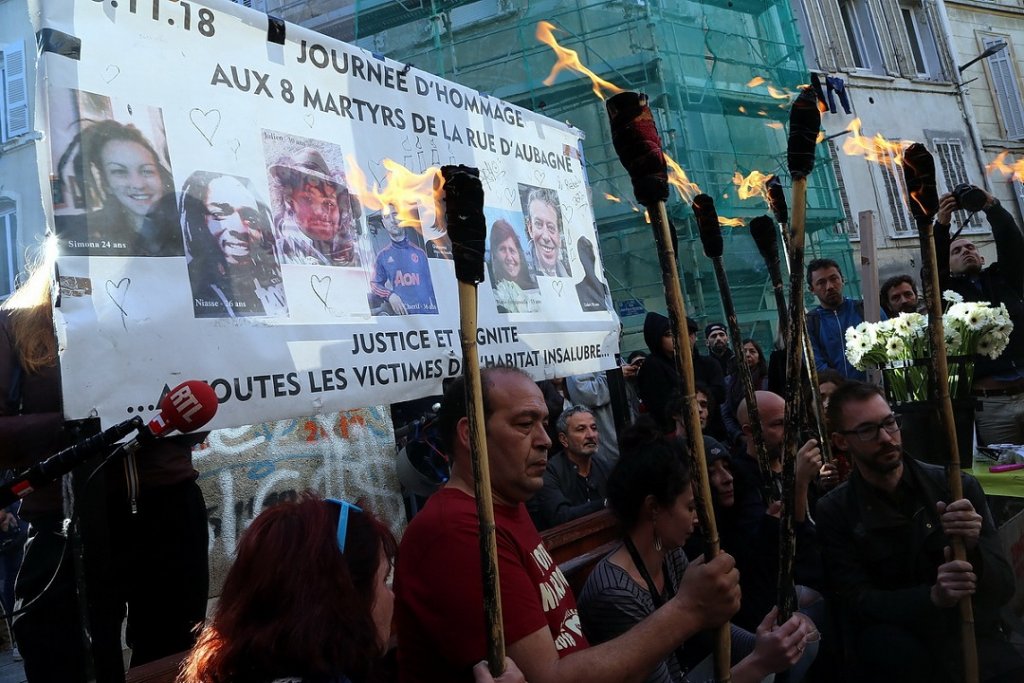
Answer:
(230, 247)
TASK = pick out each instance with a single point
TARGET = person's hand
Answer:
(8, 521)
(947, 205)
(629, 370)
(774, 509)
(808, 462)
(956, 579)
(397, 305)
(959, 519)
(828, 476)
(777, 648)
(711, 590)
(481, 674)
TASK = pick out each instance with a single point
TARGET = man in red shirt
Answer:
(439, 596)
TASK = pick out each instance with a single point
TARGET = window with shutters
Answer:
(260, 5)
(902, 223)
(923, 49)
(950, 152)
(848, 225)
(1005, 87)
(8, 246)
(862, 36)
(14, 108)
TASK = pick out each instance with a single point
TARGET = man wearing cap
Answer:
(716, 337)
(657, 380)
(315, 216)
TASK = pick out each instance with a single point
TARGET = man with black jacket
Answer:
(998, 383)
(885, 536)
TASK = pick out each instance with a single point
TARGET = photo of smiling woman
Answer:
(230, 247)
(113, 194)
(515, 289)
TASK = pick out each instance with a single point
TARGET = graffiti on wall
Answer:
(348, 455)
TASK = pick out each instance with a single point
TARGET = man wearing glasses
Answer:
(885, 536)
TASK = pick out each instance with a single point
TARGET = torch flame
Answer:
(999, 165)
(778, 94)
(751, 185)
(569, 59)
(412, 196)
(777, 125)
(730, 222)
(755, 81)
(612, 198)
(678, 179)
(875, 149)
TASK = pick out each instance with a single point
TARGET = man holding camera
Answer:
(998, 383)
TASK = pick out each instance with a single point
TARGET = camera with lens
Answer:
(969, 198)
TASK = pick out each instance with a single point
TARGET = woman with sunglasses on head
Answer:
(650, 493)
(306, 601)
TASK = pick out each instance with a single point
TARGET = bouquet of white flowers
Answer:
(901, 343)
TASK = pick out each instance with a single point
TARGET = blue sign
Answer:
(631, 307)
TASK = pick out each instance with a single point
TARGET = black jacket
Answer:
(566, 495)
(1001, 282)
(880, 566)
(658, 380)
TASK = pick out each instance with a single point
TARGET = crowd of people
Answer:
(309, 596)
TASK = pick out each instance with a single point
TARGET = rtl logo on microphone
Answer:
(185, 402)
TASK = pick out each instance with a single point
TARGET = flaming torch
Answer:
(711, 237)
(804, 124)
(467, 228)
(638, 145)
(919, 173)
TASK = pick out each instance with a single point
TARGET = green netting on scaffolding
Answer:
(720, 75)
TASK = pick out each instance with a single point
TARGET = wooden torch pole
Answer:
(638, 145)
(467, 228)
(919, 173)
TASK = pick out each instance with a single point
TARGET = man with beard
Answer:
(898, 295)
(438, 588)
(998, 383)
(576, 478)
(885, 536)
(827, 324)
(717, 340)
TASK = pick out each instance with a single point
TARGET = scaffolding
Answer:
(696, 62)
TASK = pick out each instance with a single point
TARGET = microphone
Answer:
(186, 408)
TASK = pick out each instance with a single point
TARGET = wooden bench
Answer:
(578, 545)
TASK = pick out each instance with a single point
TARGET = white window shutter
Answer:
(16, 118)
(1004, 82)
(951, 157)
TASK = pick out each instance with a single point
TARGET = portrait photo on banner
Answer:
(515, 287)
(112, 184)
(401, 283)
(232, 257)
(593, 292)
(316, 217)
(546, 236)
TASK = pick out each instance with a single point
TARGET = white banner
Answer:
(228, 209)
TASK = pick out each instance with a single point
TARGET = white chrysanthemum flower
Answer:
(950, 295)
(895, 349)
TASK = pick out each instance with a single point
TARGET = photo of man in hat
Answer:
(315, 217)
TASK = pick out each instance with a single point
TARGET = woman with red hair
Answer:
(306, 600)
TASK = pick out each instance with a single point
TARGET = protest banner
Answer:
(225, 199)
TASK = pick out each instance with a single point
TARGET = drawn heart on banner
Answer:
(118, 293)
(539, 175)
(206, 122)
(308, 118)
(111, 72)
(510, 195)
(321, 287)
(566, 214)
(557, 286)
